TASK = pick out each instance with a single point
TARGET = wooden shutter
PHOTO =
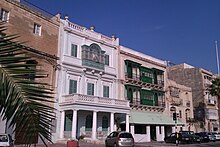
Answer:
(105, 91)
(90, 89)
(72, 86)
(74, 50)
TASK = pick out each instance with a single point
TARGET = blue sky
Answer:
(174, 30)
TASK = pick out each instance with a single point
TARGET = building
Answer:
(88, 103)
(40, 31)
(179, 100)
(142, 82)
(205, 105)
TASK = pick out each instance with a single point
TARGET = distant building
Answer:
(39, 30)
(205, 105)
(87, 95)
(179, 100)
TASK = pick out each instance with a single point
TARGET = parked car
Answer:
(217, 135)
(119, 139)
(210, 135)
(203, 137)
(182, 138)
(193, 138)
(6, 140)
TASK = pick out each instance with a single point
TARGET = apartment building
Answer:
(88, 103)
(39, 30)
(142, 82)
(179, 101)
(205, 106)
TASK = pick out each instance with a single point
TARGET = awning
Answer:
(152, 118)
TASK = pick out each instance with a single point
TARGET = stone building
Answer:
(39, 30)
(205, 105)
(179, 100)
(142, 82)
(88, 103)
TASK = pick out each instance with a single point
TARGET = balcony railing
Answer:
(90, 33)
(93, 64)
(134, 76)
(176, 101)
(93, 100)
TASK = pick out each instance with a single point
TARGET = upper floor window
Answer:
(32, 64)
(107, 60)
(73, 50)
(4, 15)
(90, 89)
(72, 86)
(105, 91)
(37, 29)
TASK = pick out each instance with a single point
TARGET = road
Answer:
(212, 144)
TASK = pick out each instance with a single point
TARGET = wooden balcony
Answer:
(93, 100)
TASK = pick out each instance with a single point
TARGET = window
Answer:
(107, 60)
(37, 29)
(89, 123)
(72, 86)
(140, 129)
(104, 123)
(90, 89)
(105, 91)
(4, 15)
(73, 50)
(180, 114)
(31, 64)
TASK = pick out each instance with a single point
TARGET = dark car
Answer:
(203, 136)
(193, 138)
(182, 138)
(119, 139)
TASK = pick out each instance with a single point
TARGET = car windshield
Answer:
(3, 138)
(125, 135)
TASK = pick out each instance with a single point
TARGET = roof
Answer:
(140, 117)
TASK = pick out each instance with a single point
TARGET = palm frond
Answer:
(24, 102)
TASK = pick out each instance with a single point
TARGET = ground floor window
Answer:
(89, 123)
(104, 123)
(140, 129)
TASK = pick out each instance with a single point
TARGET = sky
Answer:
(179, 31)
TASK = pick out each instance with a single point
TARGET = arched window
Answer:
(104, 123)
(88, 122)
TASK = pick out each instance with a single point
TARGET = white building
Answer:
(87, 85)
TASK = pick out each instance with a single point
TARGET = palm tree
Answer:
(26, 104)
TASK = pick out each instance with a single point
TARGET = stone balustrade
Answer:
(94, 100)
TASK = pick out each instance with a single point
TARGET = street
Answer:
(156, 144)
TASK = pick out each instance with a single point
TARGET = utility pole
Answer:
(175, 120)
(216, 49)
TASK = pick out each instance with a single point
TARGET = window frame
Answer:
(74, 90)
(74, 53)
(37, 29)
(3, 12)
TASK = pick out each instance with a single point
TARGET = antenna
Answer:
(216, 48)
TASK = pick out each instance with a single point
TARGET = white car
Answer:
(6, 140)
(217, 135)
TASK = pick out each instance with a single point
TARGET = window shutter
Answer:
(74, 50)
(90, 89)
(105, 91)
(106, 59)
(72, 86)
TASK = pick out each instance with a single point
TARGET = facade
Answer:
(142, 82)
(88, 103)
(205, 105)
(179, 100)
(39, 30)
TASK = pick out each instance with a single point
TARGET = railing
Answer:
(176, 101)
(88, 32)
(133, 76)
(35, 8)
(93, 100)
